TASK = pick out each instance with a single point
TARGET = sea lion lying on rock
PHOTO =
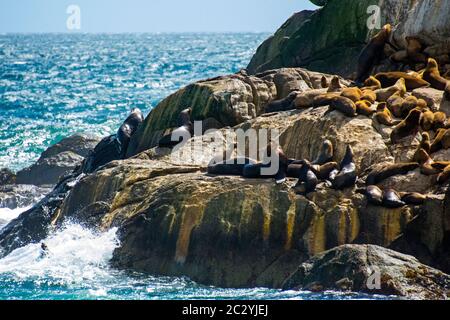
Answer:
(441, 140)
(363, 107)
(391, 199)
(412, 82)
(398, 88)
(378, 175)
(384, 116)
(306, 99)
(307, 180)
(282, 104)
(233, 166)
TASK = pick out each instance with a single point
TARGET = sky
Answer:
(115, 16)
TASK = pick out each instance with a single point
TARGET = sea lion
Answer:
(414, 50)
(180, 134)
(412, 198)
(426, 163)
(233, 166)
(335, 85)
(380, 174)
(324, 82)
(412, 82)
(441, 140)
(399, 56)
(408, 104)
(425, 144)
(347, 175)
(444, 175)
(306, 99)
(343, 105)
(352, 93)
(391, 199)
(394, 104)
(368, 95)
(372, 83)
(433, 76)
(44, 251)
(326, 153)
(372, 53)
(253, 170)
(307, 180)
(384, 116)
(374, 195)
(409, 126)
(398, 88)
(323, 172)
(439, 120)
(128, 128)
(364, 107)
(282, 104)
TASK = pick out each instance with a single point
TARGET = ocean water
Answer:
(52, 86)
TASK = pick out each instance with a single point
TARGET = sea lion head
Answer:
(335, 84)
(422, 156)
(432, 65)
(372, 82)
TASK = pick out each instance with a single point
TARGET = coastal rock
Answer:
(326, 40)
(371, 269)
(229, 100)
(58, 160)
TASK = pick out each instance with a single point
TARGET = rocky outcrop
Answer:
(371, 269)
(326, 40)
(58, 160)
(330, 38)
(223, 101)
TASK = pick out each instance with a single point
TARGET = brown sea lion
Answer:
(307, 180)
(426, 163)
(372, 83)
(364, 107)
(412, 82)
(324, 82)
(394, 104)
(326, 153)
(399, 56)
(378, 175)
(444, 175)
(374, 195)
(425, 144)
(441, 140)
(413, 198)
(439, 120)
(306, 99)
(323, 172)
(128, 129)
(409, 126)
(408, 104)
(384, 116)
(352, 93)
(343, 105)
(433, 76)
(398, 88)
(335, 85)
(368, 95)
(372, 53)
(391, 199)
(282, 104)
(234, 166)
(346, 177)
(414, 50)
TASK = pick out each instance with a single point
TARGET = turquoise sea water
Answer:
(52, 86)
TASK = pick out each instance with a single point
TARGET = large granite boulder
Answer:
(331, 38)
(58, 160)
(371, 269)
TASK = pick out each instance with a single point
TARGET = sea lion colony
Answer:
(387, 98)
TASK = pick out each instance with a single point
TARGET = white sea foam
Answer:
(6, 215)
(75, 254)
